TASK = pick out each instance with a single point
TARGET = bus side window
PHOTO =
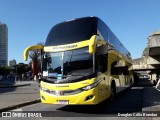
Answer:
(101, 63)
(114, 70)
(119, 70)
(125, 71)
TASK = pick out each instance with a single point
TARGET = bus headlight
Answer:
(89, 87)
(45, 89)
(92, 85)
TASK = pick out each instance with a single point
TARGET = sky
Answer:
(29, 21)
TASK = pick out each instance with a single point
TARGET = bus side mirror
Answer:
(94, 41)
(92, 44)
(26, 51)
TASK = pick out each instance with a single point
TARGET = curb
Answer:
(10, 86)
(20, 105)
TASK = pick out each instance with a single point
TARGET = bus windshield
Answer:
(61, 65)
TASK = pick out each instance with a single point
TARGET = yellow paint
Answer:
(92, 44)
(70, 86)
(94, 41)
(79, 98)
(101, 92)
(73, 99)
(66, 47)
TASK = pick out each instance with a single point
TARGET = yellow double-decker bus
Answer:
(83, 62)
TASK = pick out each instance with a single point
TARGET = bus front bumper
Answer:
(84, 97)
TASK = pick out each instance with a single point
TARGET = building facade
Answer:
(12, 63)
(3, 44)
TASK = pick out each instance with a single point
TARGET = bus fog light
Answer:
(89, 97)
(43, 98)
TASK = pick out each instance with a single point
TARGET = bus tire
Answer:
(113, 91)
(131, 83)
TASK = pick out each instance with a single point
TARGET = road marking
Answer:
(137, 88)
(17, 109)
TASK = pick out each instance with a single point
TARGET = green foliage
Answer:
(145, 51)
(22, 68)
(4, 70)
(35, 56)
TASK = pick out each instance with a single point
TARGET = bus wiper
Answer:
(76, 75)
(48, 80)
(83, 74)
(80, 75)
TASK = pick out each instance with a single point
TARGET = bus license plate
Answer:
(64, 102)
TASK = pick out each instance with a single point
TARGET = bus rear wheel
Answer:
(112, 92)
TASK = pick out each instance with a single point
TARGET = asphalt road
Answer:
(11, 96)
(128, 102)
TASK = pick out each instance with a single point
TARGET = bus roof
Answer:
(80, 29)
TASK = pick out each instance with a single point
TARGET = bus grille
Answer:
(64, 92)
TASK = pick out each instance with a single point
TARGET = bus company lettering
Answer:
(65, 47)
(63, 86)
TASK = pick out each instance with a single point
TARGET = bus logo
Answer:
(60, 92)
(65, 47)
(63, 86)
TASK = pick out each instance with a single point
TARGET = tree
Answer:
(145, 51)
(35, 56)
(21, 68)
(5, 70)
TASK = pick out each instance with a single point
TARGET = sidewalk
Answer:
(16, 84)
(151, 99)
(11, 82)
(19, 94)
(151, 96)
